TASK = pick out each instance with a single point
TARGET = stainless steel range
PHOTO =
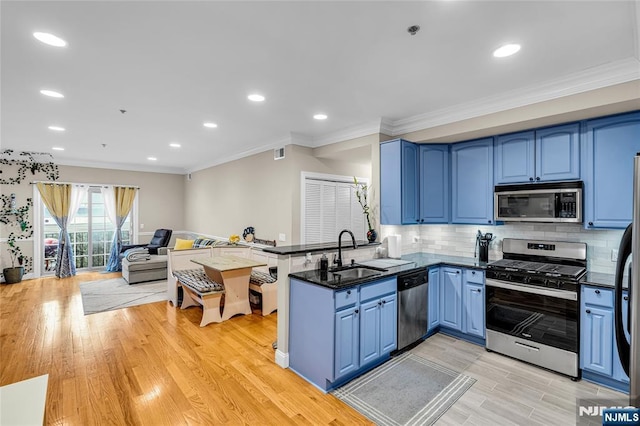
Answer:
(533, 303)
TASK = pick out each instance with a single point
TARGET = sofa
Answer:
(153, 269)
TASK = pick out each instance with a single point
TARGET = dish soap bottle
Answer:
(324, 263)
(324, 267)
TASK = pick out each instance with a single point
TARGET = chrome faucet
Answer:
(338, 261)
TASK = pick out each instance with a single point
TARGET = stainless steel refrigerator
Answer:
(630, 350)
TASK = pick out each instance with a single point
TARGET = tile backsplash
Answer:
(459, 240)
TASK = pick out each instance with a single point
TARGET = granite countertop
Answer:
(427, 260)
(416, 261)
(603, 280)
(314, 248)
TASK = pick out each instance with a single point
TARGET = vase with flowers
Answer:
(362, 194)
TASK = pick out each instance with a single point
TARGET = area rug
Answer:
(407, 390)
(115, 293)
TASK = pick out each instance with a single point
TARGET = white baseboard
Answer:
(282, 358)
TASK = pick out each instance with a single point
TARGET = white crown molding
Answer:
(266, 147)
(120, 166)
(590, 79)
(352, 132)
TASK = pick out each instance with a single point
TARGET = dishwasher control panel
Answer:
(412, 279)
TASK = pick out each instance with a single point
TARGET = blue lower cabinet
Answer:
(473, 314)
(451, 298)
(337, 335)
(597, 340)
(347, 341)
(369, 331)
(434, 299)
(388, 324)
(599, 357)
(462, 303)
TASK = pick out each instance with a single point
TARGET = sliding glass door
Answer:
(91, 234)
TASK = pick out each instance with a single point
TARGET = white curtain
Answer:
(109, 197)
(77, 195)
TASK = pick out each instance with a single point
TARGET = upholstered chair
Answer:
(160, 238)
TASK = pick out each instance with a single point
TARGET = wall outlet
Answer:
(282, 237)
(142, 226)
(614, 255)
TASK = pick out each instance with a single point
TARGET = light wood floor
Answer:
(507, 391)
(151, 364)
(154, 365)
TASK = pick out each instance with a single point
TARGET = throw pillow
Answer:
(183, 244)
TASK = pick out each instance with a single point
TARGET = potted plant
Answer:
(14, 274)
(362, 193)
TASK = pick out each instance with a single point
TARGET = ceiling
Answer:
(174, 65)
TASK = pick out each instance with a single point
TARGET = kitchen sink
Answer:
(356, 271)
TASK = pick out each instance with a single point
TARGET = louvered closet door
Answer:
(329, 208)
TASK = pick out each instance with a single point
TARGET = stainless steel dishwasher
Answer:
(413, 298)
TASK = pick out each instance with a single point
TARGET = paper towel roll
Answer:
(394, 243)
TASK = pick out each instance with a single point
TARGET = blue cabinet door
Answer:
(369, 331)
(390, 183)
(472, 182)
(597, 339)
(611, 144)
(473, 314)
(451, 298)
(434, 298)
(515, 158)
(399, 196)
(410, 187)
(558, 152)
(618, 371)
(434, 183)
(388, 324)
(346, 341)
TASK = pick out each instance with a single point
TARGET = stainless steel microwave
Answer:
(539, 202)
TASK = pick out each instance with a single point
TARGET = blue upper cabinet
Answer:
(410, 188)
(610, 145)
(547, 154)
(434, 183)
(472, 182)
(399, 198)
(558, 153)
(515, 158)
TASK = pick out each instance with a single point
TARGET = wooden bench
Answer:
(181, 259)
(199, 289)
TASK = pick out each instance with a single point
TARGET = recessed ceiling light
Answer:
(57, 128)
(57, 148)
(506, 50)
(52, 93)
(255, 97)
(50, 39)
(210, 125)
(320, 116)
(151, 158)
(175, 145)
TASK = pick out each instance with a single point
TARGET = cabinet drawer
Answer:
(346, 297)
(474, 276)
(597, 296)
(378, 289)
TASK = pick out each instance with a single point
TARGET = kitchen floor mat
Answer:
(407, 390)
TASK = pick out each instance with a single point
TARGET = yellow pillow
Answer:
(183, 244)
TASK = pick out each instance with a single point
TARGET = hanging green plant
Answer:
(27, 161)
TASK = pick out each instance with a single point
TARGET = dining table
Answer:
(233, 272)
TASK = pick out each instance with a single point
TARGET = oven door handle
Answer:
(561, 294)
